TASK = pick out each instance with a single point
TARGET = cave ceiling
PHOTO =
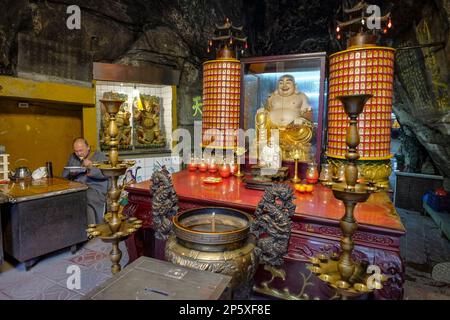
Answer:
(174, 34)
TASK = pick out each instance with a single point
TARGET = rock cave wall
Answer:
(421, 90)
(174, 34)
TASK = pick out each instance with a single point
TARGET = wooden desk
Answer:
(315, 227)
(3, 199)
(43, 216)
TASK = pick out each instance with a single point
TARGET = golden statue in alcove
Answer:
(287, 110)
(146, 118)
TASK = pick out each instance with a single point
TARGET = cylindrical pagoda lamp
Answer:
(222, 88)
(363, 68)
(221, 102)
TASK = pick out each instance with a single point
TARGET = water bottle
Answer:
(49, 166)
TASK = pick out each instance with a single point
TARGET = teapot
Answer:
(20, 172)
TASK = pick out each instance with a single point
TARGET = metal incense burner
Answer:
(218, 237)
(349, 278)
(116, 227)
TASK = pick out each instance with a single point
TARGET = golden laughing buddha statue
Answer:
(287, 110)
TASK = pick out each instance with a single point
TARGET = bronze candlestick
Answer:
(116, 227)
(239, 152)
(348, 277)
(296, 179)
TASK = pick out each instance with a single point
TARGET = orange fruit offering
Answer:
(300, 187)
(309, 188)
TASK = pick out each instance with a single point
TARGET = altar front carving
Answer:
(315, 229)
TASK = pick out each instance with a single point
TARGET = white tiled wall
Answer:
(166, 94)
(163, 92)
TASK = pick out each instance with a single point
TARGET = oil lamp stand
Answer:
(349, 278)
(116, 227)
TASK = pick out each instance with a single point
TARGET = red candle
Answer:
(212, 167)
(202, 167)
(192, 166)
(224, 171)
(312, 174)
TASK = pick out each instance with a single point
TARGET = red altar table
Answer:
(315, 229)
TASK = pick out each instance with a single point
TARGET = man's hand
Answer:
(87, 163)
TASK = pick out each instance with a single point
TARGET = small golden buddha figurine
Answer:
(287, 110)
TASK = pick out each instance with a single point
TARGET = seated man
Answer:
(92, 177)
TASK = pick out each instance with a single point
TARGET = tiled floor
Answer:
(47, 280)
(422, 248)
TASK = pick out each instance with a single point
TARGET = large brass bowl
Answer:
(227, 250)
(193, 228)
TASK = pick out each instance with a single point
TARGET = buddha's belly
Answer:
(282, 117)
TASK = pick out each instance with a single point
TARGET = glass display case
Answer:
(285, 93)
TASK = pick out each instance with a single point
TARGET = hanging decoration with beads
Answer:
(361, 17)
(222, 88)
(228, 36)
